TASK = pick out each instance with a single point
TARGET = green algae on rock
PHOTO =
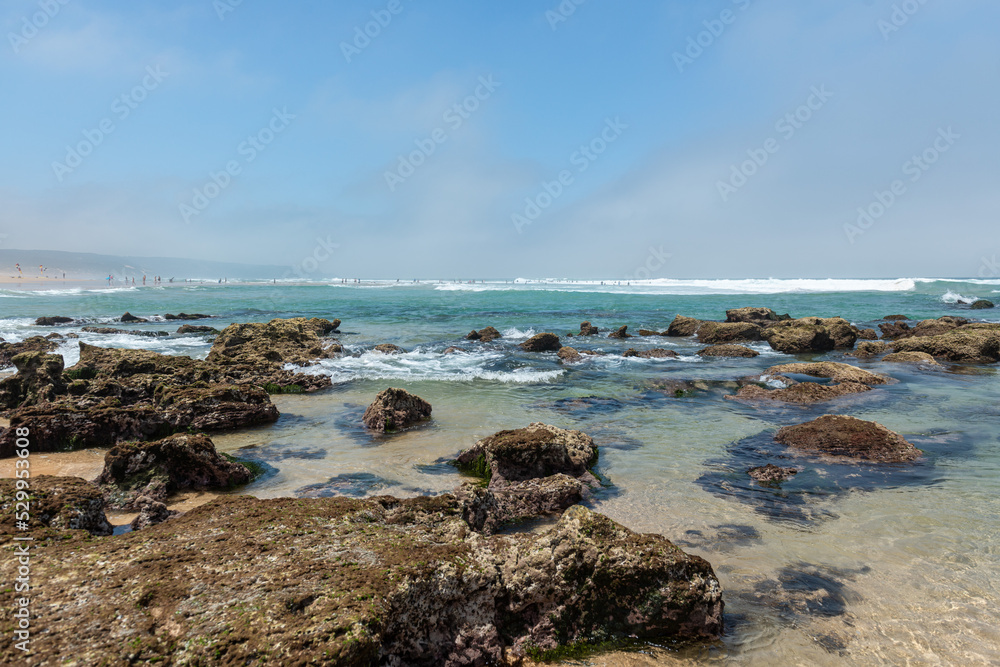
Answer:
(360, 582)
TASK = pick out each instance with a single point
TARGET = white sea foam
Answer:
(514, 333)
(693, 287)
(424, 365)
(955, 297)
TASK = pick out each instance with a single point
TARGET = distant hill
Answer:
(86, 266)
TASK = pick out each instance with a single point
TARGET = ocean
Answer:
(859, 565)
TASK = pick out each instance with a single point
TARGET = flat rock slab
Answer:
(838, 435)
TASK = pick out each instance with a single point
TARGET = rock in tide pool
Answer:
(850, 437)
(895, 330)
(911, 358)
(869, 348)
(357, 582)
(394, 410)
(61, 503)
(151, 512)
(771, 474)
(154, 470)
(530, 471)
(129, 332)
(543, 342)
(846, 379)
(975, 343)
(728, 351)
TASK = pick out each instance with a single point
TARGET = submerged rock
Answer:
(833, 370)
(728, 351)
(373, 581)
(981, 304)
(771, 474)
(895, 318)
(388, 348)
(62, 503)
(838, 435)
(154, 470)
(712, 333)
(655, 353)
(34, 344)
(683, 326)
(394, 410)
(543, 342)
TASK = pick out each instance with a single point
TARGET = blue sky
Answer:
(690, 172)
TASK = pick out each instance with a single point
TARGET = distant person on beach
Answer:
(144, 279)
(19, 273)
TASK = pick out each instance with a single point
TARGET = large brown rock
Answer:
(484, 335)
(838, 435)
(543, 342)
(897, 330)
(538, 450)
(911, 358)
(341, 581)
(295, 340)
(620, 332)
(569, 355)
(751, 314)
(395, 410)
(683, 326)
(39, 378)
(975, 343)
(981, 304)
(714, 333)
(34, 344)
(155, 470)
(117, 395)
(61, 503)
(811, 334)
(586, 329)
(831, 369)
(51, 321)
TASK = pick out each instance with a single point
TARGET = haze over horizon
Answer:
(725, 139)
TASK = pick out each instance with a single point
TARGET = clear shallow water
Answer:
(843, 566)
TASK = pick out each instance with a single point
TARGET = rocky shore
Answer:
(428, 580)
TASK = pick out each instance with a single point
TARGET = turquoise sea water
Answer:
(843, 565)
